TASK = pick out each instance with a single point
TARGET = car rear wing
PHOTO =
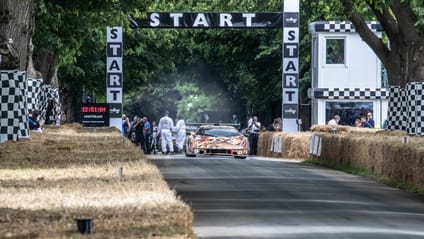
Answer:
(191, 127)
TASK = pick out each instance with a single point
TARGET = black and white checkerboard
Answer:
(34, 91)
(13, 121)
(23, 106)
(406, 108)
(19, 97)
(38, 95)
(341, 26)
(415, 99)
(397, 112)
(351, 93)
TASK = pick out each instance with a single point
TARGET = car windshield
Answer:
(218, 132)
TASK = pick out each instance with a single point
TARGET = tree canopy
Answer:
(191, 71)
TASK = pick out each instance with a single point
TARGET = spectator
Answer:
(369, 119)
(357, 122)
(139, 136)
(364, 123)
(125, 125)
(254, 128)
(334, 121)
(147, 135)
(34, 123)
(277, 125)
(60, 118)
(131, 134)
(155, 137)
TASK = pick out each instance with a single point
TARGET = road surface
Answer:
(257, 198)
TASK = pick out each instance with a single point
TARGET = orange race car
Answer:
(217, 140)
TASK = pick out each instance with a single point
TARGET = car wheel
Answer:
(190, 155)
(240, 157)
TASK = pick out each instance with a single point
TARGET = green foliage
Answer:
(238, 70)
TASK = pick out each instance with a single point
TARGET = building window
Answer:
(335, 52)
(348, 111)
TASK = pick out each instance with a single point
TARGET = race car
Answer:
(216, 140)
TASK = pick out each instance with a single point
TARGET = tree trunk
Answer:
(8, 55)
(46, 63)
(21, 29)
(406, 62)
(70, 100)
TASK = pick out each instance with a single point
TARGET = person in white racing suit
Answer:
(181, 135)
(164, 128)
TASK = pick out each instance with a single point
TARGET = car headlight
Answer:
(196, 151)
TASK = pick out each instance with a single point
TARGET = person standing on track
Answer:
(164, 128)
(181, 135)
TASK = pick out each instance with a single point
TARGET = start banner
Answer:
(208, 20)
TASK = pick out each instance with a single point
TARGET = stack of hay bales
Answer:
(381, 152)
(71, 172)
(385, 153)
(293, 145)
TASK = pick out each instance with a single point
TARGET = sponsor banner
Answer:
(290, 111)
(208, 20)
(95, 114)
(114, 75)
(290, 94)
(115, 110)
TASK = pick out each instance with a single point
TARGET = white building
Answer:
(347, 76)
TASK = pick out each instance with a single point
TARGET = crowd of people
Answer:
(364, 120)
(147, 136)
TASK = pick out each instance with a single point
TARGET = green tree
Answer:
(70, 43)
(403, 23)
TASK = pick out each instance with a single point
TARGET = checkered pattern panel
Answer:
(398, 108)
(38, 95)
(342, 26)
(43, 100)
(351, 93)
(415, 97)
(54, 92)
(33, 94)
(23, 106)
(49, 93)
(11, 105)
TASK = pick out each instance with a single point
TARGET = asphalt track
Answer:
(264, 198)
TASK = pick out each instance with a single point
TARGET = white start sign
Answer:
(114, 75)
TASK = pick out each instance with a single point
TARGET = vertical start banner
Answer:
(114, 75)
(290, 101)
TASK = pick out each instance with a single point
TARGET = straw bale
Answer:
(380, 151)
(70, 172)
(383, 153)
(342, 129)
(294, 145)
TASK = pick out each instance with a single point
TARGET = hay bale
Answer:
(340, 129)
(294, 145)
(382, 153)
(65, 173)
